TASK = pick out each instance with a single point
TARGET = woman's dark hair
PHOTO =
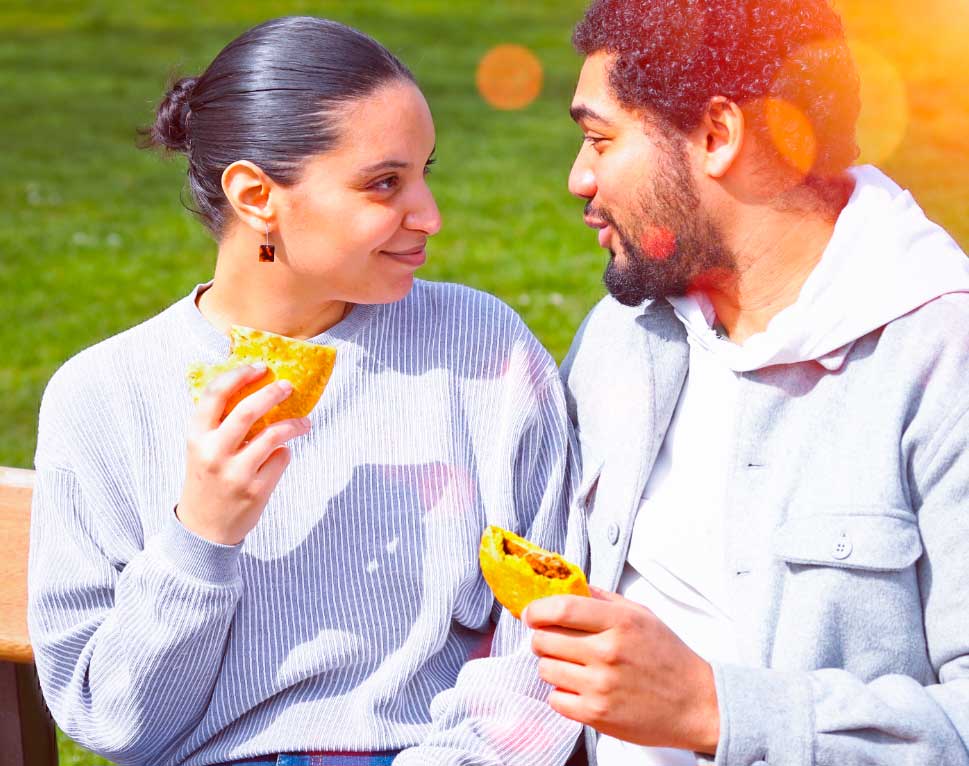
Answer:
(674, 56)
(270, 97)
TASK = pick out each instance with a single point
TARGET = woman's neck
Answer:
(267, 296)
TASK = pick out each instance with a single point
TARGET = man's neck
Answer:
(776, 252)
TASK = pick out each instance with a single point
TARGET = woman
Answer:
(197, 599)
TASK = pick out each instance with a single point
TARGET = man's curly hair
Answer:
(674, 56)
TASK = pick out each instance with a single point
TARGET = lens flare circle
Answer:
(509, 77)
(884, 104)
(792, 134)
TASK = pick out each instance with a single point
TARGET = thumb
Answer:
(604, 595)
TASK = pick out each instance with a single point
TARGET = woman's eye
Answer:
(594, 141)
(427, 167)
(386, 184)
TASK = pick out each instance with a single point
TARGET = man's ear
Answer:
(249, 191)
(721, 133)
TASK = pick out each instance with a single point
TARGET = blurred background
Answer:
(97, 238)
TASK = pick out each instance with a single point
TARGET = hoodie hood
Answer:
(885, 259)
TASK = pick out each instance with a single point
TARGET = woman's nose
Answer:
(425, 215)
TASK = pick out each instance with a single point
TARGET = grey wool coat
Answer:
(847, 540)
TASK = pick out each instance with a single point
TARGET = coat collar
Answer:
(645, 395)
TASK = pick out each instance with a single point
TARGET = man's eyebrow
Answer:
(581, 112)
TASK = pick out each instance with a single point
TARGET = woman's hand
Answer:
(228, 481)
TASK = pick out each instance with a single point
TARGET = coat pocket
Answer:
(585, 495)
(884, 542)
(577, 548)
(849, 595)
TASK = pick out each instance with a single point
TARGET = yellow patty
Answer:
(308, 366)
(518, 571)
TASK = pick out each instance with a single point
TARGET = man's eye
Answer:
(386, 184)
(594, 141)
(427, 167)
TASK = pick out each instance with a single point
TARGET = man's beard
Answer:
(681, 250)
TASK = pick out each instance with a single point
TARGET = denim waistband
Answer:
(383, 758)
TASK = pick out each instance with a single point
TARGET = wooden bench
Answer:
(27, 735)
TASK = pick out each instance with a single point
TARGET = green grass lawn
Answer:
(96, 238)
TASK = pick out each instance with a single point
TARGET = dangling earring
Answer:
(267, 252)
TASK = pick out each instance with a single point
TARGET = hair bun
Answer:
(171, 118)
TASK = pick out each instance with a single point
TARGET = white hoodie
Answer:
(884, 260)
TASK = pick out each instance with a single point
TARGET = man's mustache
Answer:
(599, 214)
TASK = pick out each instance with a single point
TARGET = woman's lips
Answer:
(414, 257)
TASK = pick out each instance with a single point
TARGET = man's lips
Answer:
(605, 230)
(605, 235)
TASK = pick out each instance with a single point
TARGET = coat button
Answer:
(613, 532)
(842, 548)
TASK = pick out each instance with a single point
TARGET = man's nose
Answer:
(582, 181)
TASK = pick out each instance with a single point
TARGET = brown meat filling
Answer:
(542, 563)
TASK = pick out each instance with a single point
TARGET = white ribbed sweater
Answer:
(357, 597)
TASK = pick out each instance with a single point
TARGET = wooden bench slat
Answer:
(16, 477)
(16, 487)
(27, 734)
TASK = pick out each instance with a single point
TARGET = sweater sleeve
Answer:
(829, 717)
(127, 656)
(497, 712)
(128, 633)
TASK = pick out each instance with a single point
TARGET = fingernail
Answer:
(259, 366)
(286, 386)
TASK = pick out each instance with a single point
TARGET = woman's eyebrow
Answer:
(391, 165)
(386, 165)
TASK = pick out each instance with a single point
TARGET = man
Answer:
(771, 407)
(772, 417)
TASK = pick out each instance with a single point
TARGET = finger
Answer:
(244, 415)
(604, 595)
(216, 396)
(622, 602)
(564, 644)
(253, 455)
(569, 705)
(577, 612)
(566, 676)
(270, 472)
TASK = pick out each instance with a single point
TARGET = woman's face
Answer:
(358, 220)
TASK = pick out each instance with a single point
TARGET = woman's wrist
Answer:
(193, 554)
(216, 536)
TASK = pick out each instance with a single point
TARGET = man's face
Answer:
(642, 196)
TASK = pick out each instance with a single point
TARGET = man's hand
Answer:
(617, 668)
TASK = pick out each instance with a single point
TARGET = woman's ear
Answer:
(249, 191)
(722, 132)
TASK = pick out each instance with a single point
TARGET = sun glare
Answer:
(509, 77)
